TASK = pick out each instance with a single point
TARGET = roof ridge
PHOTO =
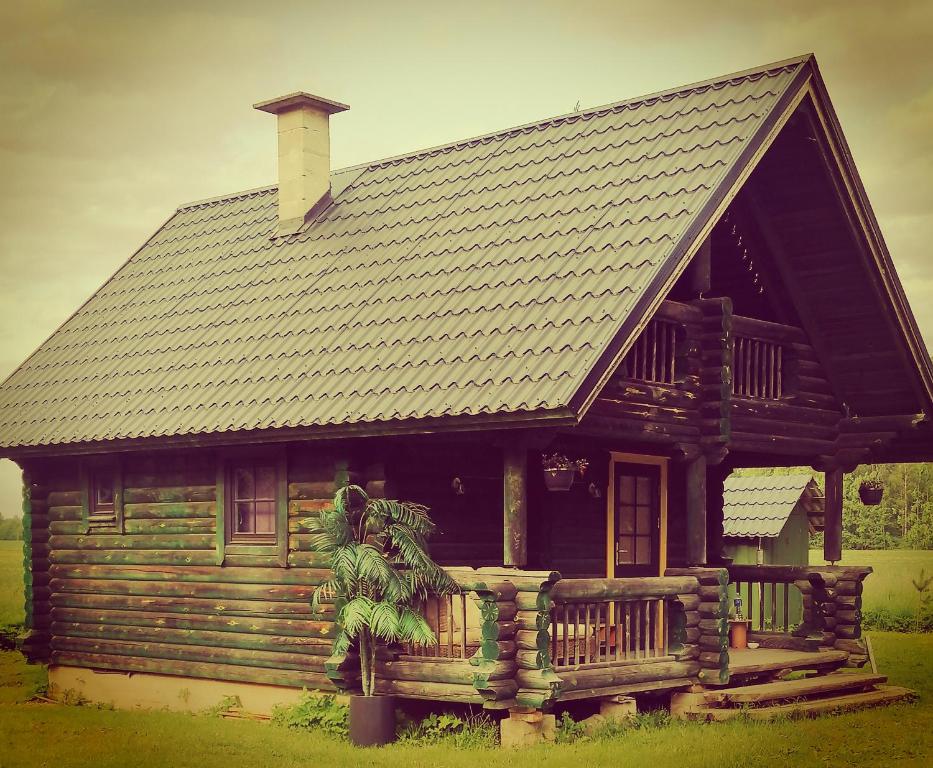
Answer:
(726, 79)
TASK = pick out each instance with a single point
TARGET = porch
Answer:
(518, 638)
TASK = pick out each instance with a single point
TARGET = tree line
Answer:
(11, 528)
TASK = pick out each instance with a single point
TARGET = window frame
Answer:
(229, 541)
(99, 518)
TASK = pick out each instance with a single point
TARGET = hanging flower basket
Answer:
(559, 471)
(870, 492)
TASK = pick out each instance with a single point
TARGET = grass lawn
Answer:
(11, 583)
(889, 586)
(36, 734)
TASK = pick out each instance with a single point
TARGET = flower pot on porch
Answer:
(559, 479)
(870, 494)
(372, 720)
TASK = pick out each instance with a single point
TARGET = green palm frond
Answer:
(384, 621)
(356, 615)
(414, 629)
(329, 590)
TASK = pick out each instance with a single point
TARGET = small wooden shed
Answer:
(767, 520)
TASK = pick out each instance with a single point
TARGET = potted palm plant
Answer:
(871, 492)
(559, 471)
(381, 577)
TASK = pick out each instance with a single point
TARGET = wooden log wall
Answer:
(712, 622)
(805, 419)
(655, 413)
(155, 599)
(36, 577)
(567, 529)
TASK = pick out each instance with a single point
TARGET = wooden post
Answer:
(832, 515)
(515, 506)
(696, 511)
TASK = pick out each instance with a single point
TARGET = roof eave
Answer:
(426, 426)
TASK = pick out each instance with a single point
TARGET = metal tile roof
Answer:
(759, 505)
(484, 277)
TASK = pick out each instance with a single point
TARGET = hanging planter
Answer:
(559, 471)
(870, 492)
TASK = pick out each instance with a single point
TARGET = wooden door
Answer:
(637, 519)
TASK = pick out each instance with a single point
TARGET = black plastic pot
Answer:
(869, 495)
(372, 720)
(558, 479)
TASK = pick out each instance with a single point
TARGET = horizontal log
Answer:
(161, 650)
(227, 607)
(168, 495)
(465, 694)
(296, 627)
(710, 577)
(308, 560)
(601, 590)
(171, 527)
(532, 640)
(186, 573)
(319, 490)
(297, 592)
(64, 499)
(234, 561)
(626, 674)
(64, 514)
(767, 331)
(198, 637)
(134, 557)
(170, 510)
(458, 671)
(211, 671)
(192, 541)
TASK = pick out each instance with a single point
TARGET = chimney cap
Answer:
(300, 99)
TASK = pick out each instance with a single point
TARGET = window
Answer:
(637, 516)
(252, 493)
(102, 497)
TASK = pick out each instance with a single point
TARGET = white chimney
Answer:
(304, 155)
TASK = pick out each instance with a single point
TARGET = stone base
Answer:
(682, 704)
(142, 690)
(526, 727)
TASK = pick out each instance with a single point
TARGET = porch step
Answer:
(749, 663)
(880, 696)
(791, 690)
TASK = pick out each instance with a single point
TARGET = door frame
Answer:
(663, 464)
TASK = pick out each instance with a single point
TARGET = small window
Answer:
(252, 493)
(101, 493)
(102, 502)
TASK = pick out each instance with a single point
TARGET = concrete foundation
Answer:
(142, 690)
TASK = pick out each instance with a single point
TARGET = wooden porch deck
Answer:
(749, 662)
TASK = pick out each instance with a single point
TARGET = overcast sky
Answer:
(114, 113)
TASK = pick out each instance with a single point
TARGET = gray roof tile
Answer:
(483, 277)
(759, 505)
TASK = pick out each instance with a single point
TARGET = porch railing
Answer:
(608, 631)
(600, 622)
(450, 621)
(771, 599)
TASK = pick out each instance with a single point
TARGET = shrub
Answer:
(315, 712)
(475, 731)
(897, 620)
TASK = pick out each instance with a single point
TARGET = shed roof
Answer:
(760, 505)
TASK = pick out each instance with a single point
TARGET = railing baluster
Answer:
(786, 606)
(761, 605)
(450, 626)
(586, 633)
(566, 658)
(618, 618)
(463, 626)
(773, 606)
(665, 627)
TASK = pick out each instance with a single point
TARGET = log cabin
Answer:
(668, 288)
